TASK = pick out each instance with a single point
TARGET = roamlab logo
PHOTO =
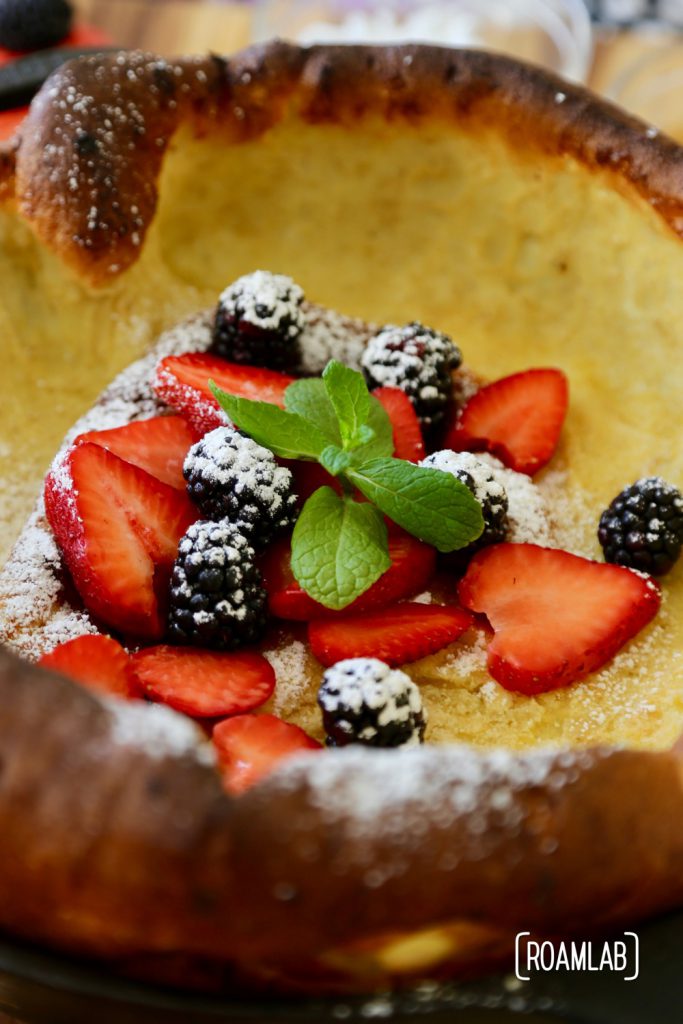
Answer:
(541, 956)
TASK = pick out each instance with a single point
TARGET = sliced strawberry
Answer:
(204, 684)
(251, 746)
(183, 383)
(556, 616)
(119, 530)
(408, 441)
(413, 563)
(95, 661)
(158, 445)
(519, 419)
(396, 635)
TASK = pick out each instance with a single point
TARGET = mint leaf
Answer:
(286, 434)
(339, 548)
(383, 441)
(430, 504)
(335, 460)
(349, 395)
(309, 398)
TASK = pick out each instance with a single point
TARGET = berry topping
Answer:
(481, 481)
(34, 24)
(417, 360)
(408, 441)
(412, 565)
(216, 596)
(365, 701)
(95, 661)
(396, 635)
(203, 684)
(517, 418)
(259, 320)
(251, 746)
(643, 526)
(229, 476)
(556, 616)
(183, 383)
(118, 528)
(158, 445)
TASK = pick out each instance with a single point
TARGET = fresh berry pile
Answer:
(263, 500)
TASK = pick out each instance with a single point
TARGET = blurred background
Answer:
(629, 50)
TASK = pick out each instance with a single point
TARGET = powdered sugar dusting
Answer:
(427, 788)
(36, 616)
(158, 730)
(330, 335)
(528, 519)
(291, 664)
(266, 301)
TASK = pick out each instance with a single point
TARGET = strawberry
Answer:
(251, 746)
(95, 661)
(204, 684)
(413, 564)
(408, 441)
(556, 616)
(158, 445)
(119, 530)
(183, 383)
(519, 419)
(396, 635)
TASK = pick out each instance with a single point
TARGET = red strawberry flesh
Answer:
(158, 445)
(119, 529)
(204, 684)
(396, 635)
(408, 440)
(183, 383)
(556, 616)
(518, 418)
(413, 564)
(251, 746)
(95, 661)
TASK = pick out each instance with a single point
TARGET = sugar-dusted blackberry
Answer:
(643, 526)
(419, 361)
(481, 481)
(34, 24)
(216, 597)
(229, 476)
(365, 701)
(259, 320)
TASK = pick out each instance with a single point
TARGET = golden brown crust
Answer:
(103, 125)
(115, 847)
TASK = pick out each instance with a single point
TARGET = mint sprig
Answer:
(339, 545)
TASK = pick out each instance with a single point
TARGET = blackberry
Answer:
(229, 476)
(259, 320)
(364, 701)
(216, 599)
(643, 526)
(34, 24)
(488, 491)
(419, 361)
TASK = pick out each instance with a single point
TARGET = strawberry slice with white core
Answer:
(518, 418)
(96, 662)
(396, 635)
(251, 746)
(556, 616)
(158, 445)
(204, 684)
(408, 441)
(183, 383)
(119, 529)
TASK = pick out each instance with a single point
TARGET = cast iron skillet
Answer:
(39, 987)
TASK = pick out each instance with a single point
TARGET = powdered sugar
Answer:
(528, 521)
(291, 664)
(158, 730)
(264, 300)
(357, 685)
(488, 489)
(330, 335)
